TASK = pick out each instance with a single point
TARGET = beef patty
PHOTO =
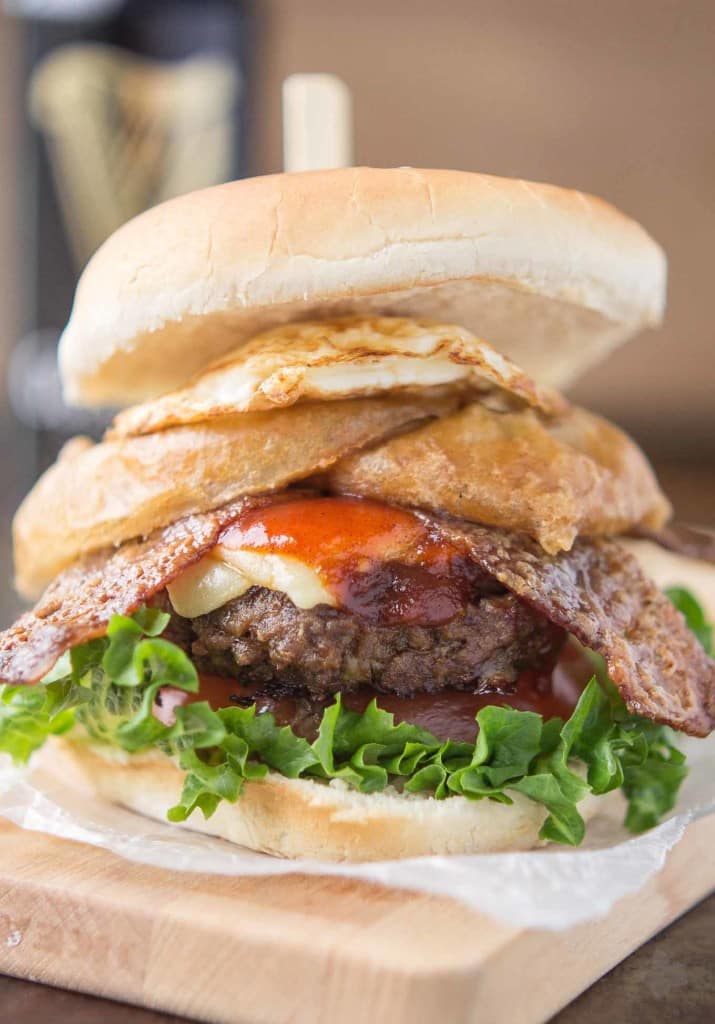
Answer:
(263, 638)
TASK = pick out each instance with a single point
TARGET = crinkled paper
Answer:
(552, 888)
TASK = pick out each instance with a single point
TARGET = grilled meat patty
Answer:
(262, 637)
(596, 591)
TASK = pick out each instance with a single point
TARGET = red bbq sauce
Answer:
(386, 565)
(449, 714)
(377, 561)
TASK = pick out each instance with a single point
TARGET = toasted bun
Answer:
(550, 277)
(299, 818)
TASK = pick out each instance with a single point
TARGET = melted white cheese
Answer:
(205, 586)
(227, 573)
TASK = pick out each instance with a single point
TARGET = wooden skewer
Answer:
(317, 123)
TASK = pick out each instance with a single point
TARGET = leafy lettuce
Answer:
(693, 614)
(108, 686)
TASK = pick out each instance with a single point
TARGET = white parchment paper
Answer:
(553, 888)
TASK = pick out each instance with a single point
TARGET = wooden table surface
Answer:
(668, 979)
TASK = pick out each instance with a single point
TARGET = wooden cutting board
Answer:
(304, 949)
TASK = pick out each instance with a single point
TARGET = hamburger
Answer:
(348, 576)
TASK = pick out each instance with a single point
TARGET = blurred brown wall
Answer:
(15, 454)
(9, 219)
(616, 98)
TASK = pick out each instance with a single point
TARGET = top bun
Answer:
(552, 278)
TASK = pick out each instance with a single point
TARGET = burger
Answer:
(348, 577)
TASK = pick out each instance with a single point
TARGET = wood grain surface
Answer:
(301, 948)
(668, 978)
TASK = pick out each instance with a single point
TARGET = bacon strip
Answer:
(79, 603)
(596, 591)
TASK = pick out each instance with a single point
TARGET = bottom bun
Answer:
(299, 818)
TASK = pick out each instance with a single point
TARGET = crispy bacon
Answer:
(79, 603)
(596, 591)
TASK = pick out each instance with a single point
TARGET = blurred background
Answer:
(109, 106)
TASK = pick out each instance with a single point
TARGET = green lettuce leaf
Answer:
(694, 615)
(109, 686)
(31, 714)
(515, 751)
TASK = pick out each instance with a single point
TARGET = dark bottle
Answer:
(127, 104)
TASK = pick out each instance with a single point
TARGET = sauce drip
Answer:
(449, 714)
(378, 562)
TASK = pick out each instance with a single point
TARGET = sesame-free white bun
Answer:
(552, 278)
(300, 818)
